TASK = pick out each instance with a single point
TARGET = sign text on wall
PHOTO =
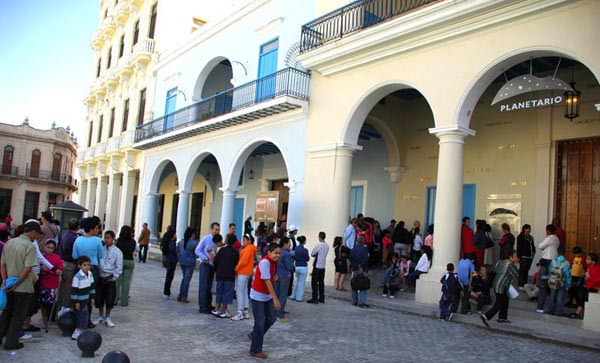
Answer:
(540, 102)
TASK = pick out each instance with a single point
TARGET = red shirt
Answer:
(49, 279)
(592, 277)
(258, 284)
(562, 236)
(467, 240)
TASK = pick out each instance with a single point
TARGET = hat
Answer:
(292, 228)
(32, 220)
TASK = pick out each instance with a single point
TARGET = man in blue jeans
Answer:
(206, 250)
(359, 258)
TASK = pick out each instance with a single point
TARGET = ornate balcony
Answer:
(9, 170)
(142, 51)
(51, 176)
(121, 13)
(89, 98)
(111, 79)
(100, 149)
(352, 18)
(89, 153)
(108, 28)
(127, 139)
(124, 67)
(112, 144)
(279, 92)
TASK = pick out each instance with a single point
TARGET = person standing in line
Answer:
(243, 270)
(49, 229)
(359, 262)
(349, 237)
(65, 250)
(285, 269)
(206, 251)
(144, 241)
(168, 247)
(525, 252)
(319, 253)
(341, 263)
(127, 245)
(549, 246)
(90, 245)
(480, 241)
(248, 225)
(264, 299)
(18, 259)
(467, 238)
(505, 273)
(507, 242)
(225, 261)
(187, 261)
(465, 271)
(560, 232)
(301, 262)
(111, 268)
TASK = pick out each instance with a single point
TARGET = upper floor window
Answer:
(100, 128)
(99, 67)
(7, 159)
(136, 32)
(56, 166)
(36, 157)
(90, 134)
(122, 46)
(152, 22)
(111, 126)
(142, 107)
(125, 115)
(109, 61)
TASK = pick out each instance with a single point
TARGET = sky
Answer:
(46, 62)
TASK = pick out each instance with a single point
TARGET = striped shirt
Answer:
(82, 288)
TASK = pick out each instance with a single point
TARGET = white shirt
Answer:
(549, 247)
(423, 264)
(350, 236)
(321, 249)
(417, 243)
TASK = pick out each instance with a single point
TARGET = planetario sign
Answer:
(536, 103)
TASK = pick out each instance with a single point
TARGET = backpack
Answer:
(556, 277)
(451, 284)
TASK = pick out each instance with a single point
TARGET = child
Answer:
(49, 280)
(386, 243)
(393, 282)
(111, 267)
(82, 293)
(404, 271)
(451, 287)
(542, 284)
(225, 261)
(592, 284)
(559, 281)
(578, 267)
(394, 265)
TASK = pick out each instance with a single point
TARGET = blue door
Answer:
(267, 66)
(468, 205)
(170, 109)
(238, 216)
(356, 200)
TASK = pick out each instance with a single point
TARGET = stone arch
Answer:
(388, 139)
(156, 174)
(479, 84)
(204, 74)
(192, 167)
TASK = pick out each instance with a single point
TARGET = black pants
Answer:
(11, 320)
(143, 254)
(483, 300)
(500, 305)
(171, 267)
(525, 264)
(105, 293)
(465, 304)
(317, 282)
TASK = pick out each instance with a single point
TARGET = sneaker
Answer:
(216, 312)
(246, 315)
(239, 316)
(383, 295)
(312, 301)
(25, 336)
(391, 296)
(469, 312)
(168, 297)
(31, 328)
(76, 334)
(61, 312)
(109, 323)
(521, 288)
(539, 311)
(225, 315)
(99, 321)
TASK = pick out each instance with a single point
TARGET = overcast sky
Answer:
(46, 62)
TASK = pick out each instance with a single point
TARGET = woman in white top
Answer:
(549, 245)
(422, 266)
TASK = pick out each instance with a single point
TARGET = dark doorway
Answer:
(174, 210)
(196, 215)
(30, 208)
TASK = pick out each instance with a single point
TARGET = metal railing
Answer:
(286, 82)
(144, 46)
(49, 175)
(353, 17)
(9, 170)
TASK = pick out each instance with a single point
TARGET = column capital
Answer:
(115, 163)
(337, 149)
(453, 133)
(150, 195)
(228, 191)
(396, 173)
(184, 193)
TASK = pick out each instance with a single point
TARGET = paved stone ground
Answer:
(151, 329)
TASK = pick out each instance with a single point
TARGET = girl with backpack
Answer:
(559, 281)
(187, 261)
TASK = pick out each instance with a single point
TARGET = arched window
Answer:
(56, 167)
(36, 157)
(7, 159)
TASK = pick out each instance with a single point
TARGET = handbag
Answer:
(360, 282)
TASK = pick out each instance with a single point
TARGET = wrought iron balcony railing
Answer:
(50, 176)
(9, 170)
(286, 82)
(353, 17)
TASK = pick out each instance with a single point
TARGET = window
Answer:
(112, 122)
(36, 156)
(105, 13)
(142, 107)
(136, 33)
(99, 67)
(125, 115)
(30, 207)
(7, 159)
(109, 61)
(152, 22)
(122, 46)
(100, 124)
(56, 167)
(5, 202)
(91, 130)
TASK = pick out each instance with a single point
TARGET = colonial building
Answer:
(37, 170)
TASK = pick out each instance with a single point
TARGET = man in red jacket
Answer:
(467, 239)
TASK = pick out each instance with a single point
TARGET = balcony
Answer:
(51, 176)
(354, 17)
(108, 27)
(142, 51)
(100, 149)
(121, 13)
(9, 170)
(124, 68)
(97, 40)
(279, 92)
(111, 79)
(112, 144)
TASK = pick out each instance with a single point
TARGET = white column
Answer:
(113, 202)
(448, 208)
(149, 213)
(82, 191)
(183, 209)
(90, 200)
(100, 209)
(126, 205)
(227, 208)
(296, 195)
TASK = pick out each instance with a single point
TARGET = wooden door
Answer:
(36, 156)
(578, 193)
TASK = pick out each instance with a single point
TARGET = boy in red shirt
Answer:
(592, 284)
